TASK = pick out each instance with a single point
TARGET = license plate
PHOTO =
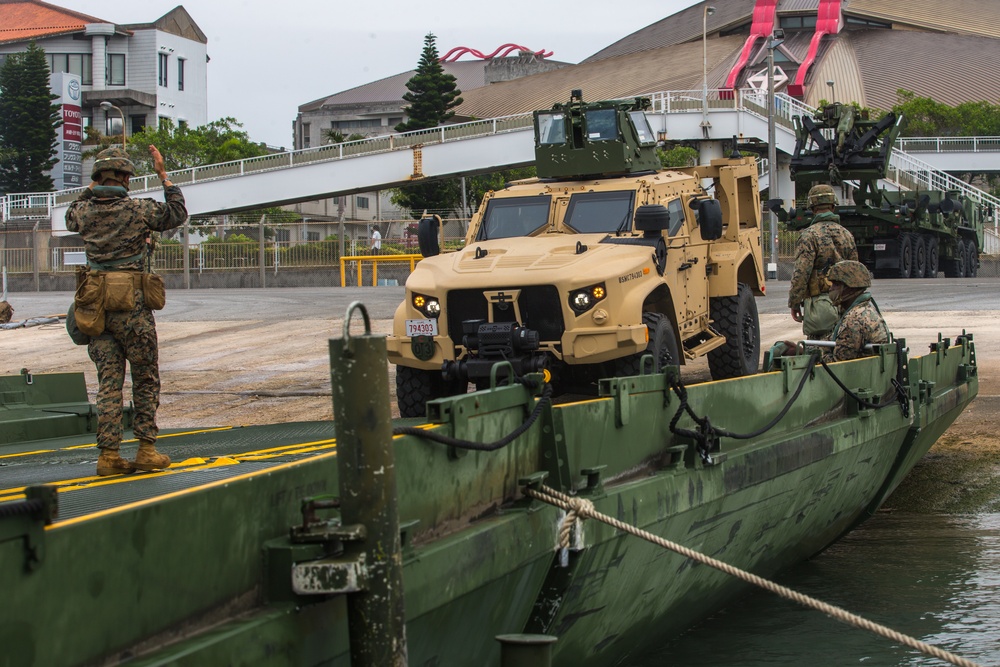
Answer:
(879, 247)
(426, 327)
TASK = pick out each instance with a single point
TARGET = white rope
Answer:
(580, 507)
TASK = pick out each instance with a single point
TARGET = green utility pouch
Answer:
(79, 338)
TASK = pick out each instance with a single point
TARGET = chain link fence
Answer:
(257, 250)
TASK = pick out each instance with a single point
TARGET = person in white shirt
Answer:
(376, 242)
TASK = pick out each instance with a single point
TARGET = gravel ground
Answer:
(240, 357)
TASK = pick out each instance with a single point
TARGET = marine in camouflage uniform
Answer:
(861, 323)
(115, 230)
(824, 243)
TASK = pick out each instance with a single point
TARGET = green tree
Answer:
(28, 122)
(337, 137)
(926, 118)
(183, 147)
(433, 93)
(677, 156)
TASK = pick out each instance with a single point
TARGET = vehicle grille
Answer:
(540, 308)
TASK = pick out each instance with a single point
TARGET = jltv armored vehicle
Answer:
(581, 271)
(899, 233)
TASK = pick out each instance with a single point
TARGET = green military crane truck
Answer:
(899, 233)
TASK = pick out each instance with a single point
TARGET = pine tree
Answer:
(433, 93)
(28, 122)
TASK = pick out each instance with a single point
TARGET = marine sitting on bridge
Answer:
(120, 301)
(861, 321)
(824, 243)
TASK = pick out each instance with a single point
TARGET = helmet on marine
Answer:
(822, 195)
(112, 159)
(850, 273)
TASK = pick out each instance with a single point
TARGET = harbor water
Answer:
(935, 577)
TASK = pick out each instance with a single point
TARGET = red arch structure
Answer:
(501, 51)
(764, 13)
(829, 21)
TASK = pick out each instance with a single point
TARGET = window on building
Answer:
(113, 125)
(180, 73)
(312, 236)
(305, 135)
(115, 69)
(282, 235)
(74, 63)
(368, 123)
(162, 71)
(797, 22)
(393, 122)
(137, 123)
(181, 123)
(362, 202)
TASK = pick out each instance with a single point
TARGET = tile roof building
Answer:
(151, 71)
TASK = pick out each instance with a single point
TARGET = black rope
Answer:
(898, 395)
(707, 435)
(545, 400)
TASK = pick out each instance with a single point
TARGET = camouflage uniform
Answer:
(860, 325)
(6, 312)
(114, 229)
(820, 246)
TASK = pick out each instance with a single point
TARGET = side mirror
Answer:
(710, 219)
(427, 235)
(775, 206)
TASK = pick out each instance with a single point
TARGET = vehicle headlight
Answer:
(427, 305)
(582, 300)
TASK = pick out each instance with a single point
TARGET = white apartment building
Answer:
(151, 71)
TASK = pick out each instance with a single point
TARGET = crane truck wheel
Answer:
(905, 256)
(735, 317)
(933, 264)
(919, 256)
(971, 259)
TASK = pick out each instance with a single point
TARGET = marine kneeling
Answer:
(861, 323)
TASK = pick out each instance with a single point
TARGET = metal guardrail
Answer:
(949, 144)
(374, 260)
(39, 205)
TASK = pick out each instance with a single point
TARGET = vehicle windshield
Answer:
(601, 124)
(591, 212)
(551, 128)
(642, 126)
(514, 216)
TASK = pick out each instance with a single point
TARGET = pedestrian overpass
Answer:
(489, 145)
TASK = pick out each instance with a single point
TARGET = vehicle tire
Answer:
(416, 386)
(933, 265)
(971, 259)
(905, 256)
(919, 256)
(735, 317)
(662, 345)
(961, 259)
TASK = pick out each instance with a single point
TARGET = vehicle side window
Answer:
(676, 209)
(514, 216)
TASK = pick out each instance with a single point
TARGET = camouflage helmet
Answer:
(112, 159)
(850, 273)
(822, 195)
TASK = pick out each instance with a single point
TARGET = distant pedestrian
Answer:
(861, 322)
(116, 298)
(824, 243)
(376, 242)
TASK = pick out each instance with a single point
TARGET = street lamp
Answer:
(833, 91)
(777, 37)
(704, 70)
(108, 106)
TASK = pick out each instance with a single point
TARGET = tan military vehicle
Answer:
(602, 258)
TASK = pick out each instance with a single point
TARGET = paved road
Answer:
(199, 305)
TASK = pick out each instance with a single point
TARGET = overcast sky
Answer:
(267, 58)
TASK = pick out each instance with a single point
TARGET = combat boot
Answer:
(110, 462)
(150, 459)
